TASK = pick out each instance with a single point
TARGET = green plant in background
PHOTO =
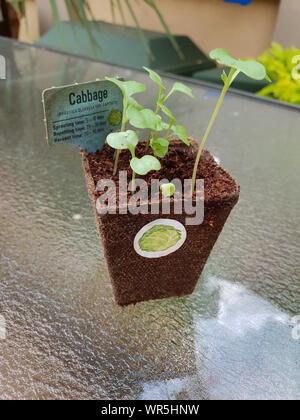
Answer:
(282, 65)
(159, 131)
(80, 9)
(250, 68)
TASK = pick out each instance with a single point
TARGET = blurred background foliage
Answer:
(282, 66)
(80, 9)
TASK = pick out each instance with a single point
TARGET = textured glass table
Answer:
(62, 336)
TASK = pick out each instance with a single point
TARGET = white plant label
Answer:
(83, 114)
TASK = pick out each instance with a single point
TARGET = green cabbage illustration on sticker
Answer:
(159, 238)
(115, 117)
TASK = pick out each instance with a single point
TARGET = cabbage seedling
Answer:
(128, 89)
(143, 118)
(167, 189)
(160, 145)
(129, 140)
(250, 68)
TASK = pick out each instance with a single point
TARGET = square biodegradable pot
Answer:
(137, 273)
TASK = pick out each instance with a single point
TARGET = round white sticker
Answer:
(159, 238)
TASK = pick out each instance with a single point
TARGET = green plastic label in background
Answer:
(83, 114)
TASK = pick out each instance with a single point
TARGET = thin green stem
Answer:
(123, 127)
(132, 151)
(158, 100)
(133, 183)
(211, 122)
(116, 161)
(121, 12)
(156, 112)
(169, 130)
(112, 10)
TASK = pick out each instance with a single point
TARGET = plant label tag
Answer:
(83, 114)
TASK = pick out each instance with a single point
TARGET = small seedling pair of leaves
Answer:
(159, 146)
(177, 87)
(128, 88)
(123, 140)
(167, 189)
(145, 164)
(250, 68)
(129, 140)
(145, 118)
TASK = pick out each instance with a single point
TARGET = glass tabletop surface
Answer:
(61, 334)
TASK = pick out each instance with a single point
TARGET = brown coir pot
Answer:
(135, 278)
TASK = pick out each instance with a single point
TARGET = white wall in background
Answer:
(45, 14)
(244, 31)
(287, 30)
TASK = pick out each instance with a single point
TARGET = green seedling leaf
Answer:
(145, 118)
(223, 57)
(167, 112)
(160, 147)
(250, 68)
(144, 165)
(133, 103)
(180, 87)
(128, 88)
(155, 77)
(167, 189)
(180, 131)
(124, 140)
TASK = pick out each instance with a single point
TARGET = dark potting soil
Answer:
(178, 163)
